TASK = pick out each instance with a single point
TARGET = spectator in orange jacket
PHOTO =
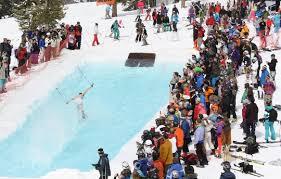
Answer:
(208, 92)
(158, 165)
(179, 137)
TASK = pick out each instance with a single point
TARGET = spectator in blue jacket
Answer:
(175, 169)
(263, 76)
(199, 136)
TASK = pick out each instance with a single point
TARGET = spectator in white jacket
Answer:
(96, 32)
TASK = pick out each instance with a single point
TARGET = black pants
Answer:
(78, 38)
(185, 145)
(201, 154)
(232, 112)
(103, 177)
(138, 38)
(250, 129)
(154, 22)
(175, 29)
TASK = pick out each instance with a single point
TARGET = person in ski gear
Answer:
(175, 20)
(103, 165)
(270, 116)
(139, 30)
(107, 12)
(96, 32)
(148, 15)
(251, 117)
(144, 37)
(268, 88)
(79, 101)
(272, 66)
(115, 29)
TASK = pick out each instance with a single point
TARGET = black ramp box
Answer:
(140, 60)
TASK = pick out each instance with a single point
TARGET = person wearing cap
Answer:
(227, 174)
(103, 165)
(272, 66)
(78, 35)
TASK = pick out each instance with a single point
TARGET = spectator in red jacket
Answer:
(21, 55)
(201, 33)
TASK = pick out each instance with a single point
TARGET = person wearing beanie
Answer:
(103, 165)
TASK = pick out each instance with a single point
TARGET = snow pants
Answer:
(116, 34)
(96, 40)
(208, 140)
(269, 128)
(219, 150)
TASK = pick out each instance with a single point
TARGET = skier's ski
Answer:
(248, 160)
(269, 142)
(244, 145)
(250, 173)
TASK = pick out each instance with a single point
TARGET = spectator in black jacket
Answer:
(252, 111)
(103, 165)
(272, 66)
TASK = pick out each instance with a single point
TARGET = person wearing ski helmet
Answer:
(227, 174)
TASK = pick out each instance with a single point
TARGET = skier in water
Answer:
(79, 101)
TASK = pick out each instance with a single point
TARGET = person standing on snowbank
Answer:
(270, 117)
(272, 66)
(96, 32)
(107, 12)
(115, 29)
(251, 115)
(103, 165)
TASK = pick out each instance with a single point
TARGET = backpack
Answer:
(191, 159)
(252, 149)
(273, 115)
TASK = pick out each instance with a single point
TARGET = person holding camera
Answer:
(103, 165)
